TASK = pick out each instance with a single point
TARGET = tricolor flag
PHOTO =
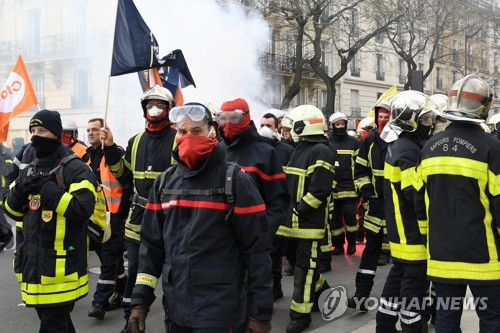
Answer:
(17, 95)
(134, 46)
(174, 75)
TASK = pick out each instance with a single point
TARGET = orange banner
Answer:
(17, 95)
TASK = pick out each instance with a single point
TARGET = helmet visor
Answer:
(234, 117)
(196, 113)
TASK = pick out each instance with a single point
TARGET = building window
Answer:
(379, 38)
(470, 58)
(322, 97)
(454, 51)
(439, 78)
(483, 58)
(355, 109)
(439, 49)
(355, 70)
(33, 20)
(402, 71)
(38, 87)
(82, 89)
(380, 68)
(454, 76)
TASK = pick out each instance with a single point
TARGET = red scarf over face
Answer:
(193, 147)
(381, 123)
(231, 130)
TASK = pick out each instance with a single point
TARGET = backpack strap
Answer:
(230, 175)
(58, 170)
(165, 176)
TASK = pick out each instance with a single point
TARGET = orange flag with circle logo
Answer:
(17, 95)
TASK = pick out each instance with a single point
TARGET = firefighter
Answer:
(5, 168)
(269, 129)
(51, 262)
(494, 124)
(406, 285)
(200, 243)
(345, 197)
(112, 279)
(148, 154)
(439, 123)
(458, 176)
(70, 137)
(259, 160)
(369, 180)
(310, 177)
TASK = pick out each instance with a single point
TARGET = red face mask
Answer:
(193, 147)
(381, 125)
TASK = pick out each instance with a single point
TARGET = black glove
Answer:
(137, 320)
(44, 180)
(27, 185)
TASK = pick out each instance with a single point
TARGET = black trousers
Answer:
(344, 217)
(276, 254)
(133, 268)
(448, 314)
(112, 277)
(368, 265)
(56, 319)
(404, 294)
(307, 280)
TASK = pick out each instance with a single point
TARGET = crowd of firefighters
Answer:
(207, 202)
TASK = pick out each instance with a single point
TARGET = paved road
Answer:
(17, 318)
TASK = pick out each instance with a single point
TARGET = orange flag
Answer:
(17, 95)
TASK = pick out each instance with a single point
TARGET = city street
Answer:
(15, 317)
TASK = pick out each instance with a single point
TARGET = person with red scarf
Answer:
(259, 160)
(369, 182)
(197, 245)
(147, 155)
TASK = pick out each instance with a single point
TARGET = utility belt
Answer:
(137, 200)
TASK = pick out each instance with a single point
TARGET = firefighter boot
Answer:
(358, 302)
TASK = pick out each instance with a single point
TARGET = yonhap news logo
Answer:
(333, 303)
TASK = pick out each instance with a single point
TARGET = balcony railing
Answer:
(54, 46)
(283, 64)
(356, 112)
(355, 71)
(380, 76)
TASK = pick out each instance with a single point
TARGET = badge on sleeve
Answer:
(47, 215)
(35, 202)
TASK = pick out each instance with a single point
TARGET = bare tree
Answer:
(425, 29)
(349, 25)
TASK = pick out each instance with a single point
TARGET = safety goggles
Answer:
(234, 117)
(159, 106)
(196, 113)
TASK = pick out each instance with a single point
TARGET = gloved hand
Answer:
(27, 185)
(137, 320)
(258, 326)
(44, 180)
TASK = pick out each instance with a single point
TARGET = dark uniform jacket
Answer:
(407, 240)
(51, 262)
(310, 177)
(201, 256)
(369, 179)
(347, 149)
(283, 150)
(261, 162)
(459, 176)
(148, 154)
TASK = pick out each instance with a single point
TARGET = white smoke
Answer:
(221, 46)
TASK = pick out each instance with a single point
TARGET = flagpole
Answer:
(109, 77)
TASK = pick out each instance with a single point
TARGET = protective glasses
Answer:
(196, 113)
(159, 106)
(234, 117)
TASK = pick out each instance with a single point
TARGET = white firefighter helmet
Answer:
(157, 92)
(469, 99)
(351, 133)
(277, 113)
(494, 122)
(485, 128)
(305, 120)
(213, 109)
(441, 101)
(70, 126)
(366, 124)
(336, 116)
(407, 107)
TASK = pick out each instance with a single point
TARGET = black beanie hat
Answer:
(50, 120)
